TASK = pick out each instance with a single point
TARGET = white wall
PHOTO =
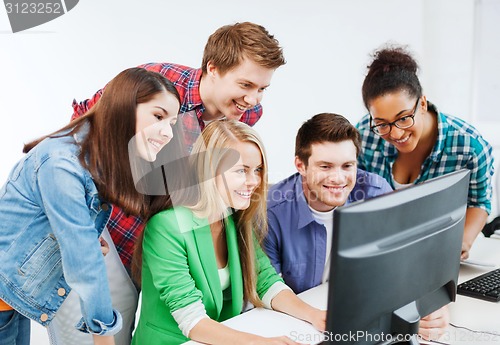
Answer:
(326, 43)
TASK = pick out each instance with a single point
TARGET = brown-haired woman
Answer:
(55, 205)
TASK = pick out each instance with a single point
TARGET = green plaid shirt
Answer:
(458, 146)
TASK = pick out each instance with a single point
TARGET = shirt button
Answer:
(44, 317)
(61, 292)
(104, 207)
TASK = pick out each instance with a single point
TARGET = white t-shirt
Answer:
(325, 218)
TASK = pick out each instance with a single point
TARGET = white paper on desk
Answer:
(274, 324)
(477, 263)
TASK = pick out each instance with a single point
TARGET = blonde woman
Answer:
(201, 262)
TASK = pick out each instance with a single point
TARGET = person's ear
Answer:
(211, 69)
(300, 165)
(423, 103)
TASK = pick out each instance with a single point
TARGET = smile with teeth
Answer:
(246, 194)
(155, 143)
(240, 107)
(334, 188)
(402, 141)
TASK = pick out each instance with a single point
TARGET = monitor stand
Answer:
(405, 321)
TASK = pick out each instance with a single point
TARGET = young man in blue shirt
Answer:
(300, 208)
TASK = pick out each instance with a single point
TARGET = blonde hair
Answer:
(210, 151)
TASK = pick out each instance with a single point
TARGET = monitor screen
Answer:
(395, 258)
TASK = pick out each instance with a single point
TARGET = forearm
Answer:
(209, 331)
(287, 302)
(475, 219)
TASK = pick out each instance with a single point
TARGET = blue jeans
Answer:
(15, 329)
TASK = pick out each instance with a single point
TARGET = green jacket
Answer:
(179, 268)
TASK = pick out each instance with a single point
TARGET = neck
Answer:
(429, 135)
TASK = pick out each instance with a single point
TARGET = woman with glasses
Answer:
(407, 140)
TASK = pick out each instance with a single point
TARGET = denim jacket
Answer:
(50, 220)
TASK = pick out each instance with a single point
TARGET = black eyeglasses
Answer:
(403, 122)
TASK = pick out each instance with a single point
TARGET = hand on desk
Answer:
(209, 331)
(432, 326)
(318, 319)
(288, 302)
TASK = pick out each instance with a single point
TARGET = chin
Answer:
(149, 158)
(234, 117)
(241, 207)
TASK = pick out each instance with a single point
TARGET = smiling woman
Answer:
(407, 140)
(55, 206)
(155, 119)
(215, 262)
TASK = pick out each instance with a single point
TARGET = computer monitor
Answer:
(395, 258)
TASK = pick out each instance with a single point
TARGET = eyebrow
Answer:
(252, 83)
(157, 106)
(248, 167)
(166, 112)
(398, 114)
(330, 163)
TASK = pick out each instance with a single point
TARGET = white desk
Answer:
(472, 313)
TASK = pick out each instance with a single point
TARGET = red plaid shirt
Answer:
(124, 230)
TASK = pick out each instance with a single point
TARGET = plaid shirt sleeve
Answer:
(250, 117)
(81, 108)
(467, 142)
(363, 128)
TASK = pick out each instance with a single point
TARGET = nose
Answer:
(166, 130)
(253, 179)
(396, 133)
(253, 98)
(336, 176)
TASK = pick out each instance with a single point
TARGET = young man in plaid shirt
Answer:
(238, 63)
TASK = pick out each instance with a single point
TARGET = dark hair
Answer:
(324, 127)
(112, 124)
(393, 69)
(229, 44)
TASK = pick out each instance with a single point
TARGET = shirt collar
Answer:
(442, 131)
(193, 91)
(80, 135)
(305, 214)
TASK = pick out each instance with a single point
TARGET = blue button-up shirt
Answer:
(296, 243)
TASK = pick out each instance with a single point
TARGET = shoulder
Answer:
(173, 72)
(370, 141)
(461, 134)
(54, 152)
(178, 220)
(283, 191)
(370, 181)
(364, 123)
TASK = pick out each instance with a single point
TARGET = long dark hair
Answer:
(112, 124)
